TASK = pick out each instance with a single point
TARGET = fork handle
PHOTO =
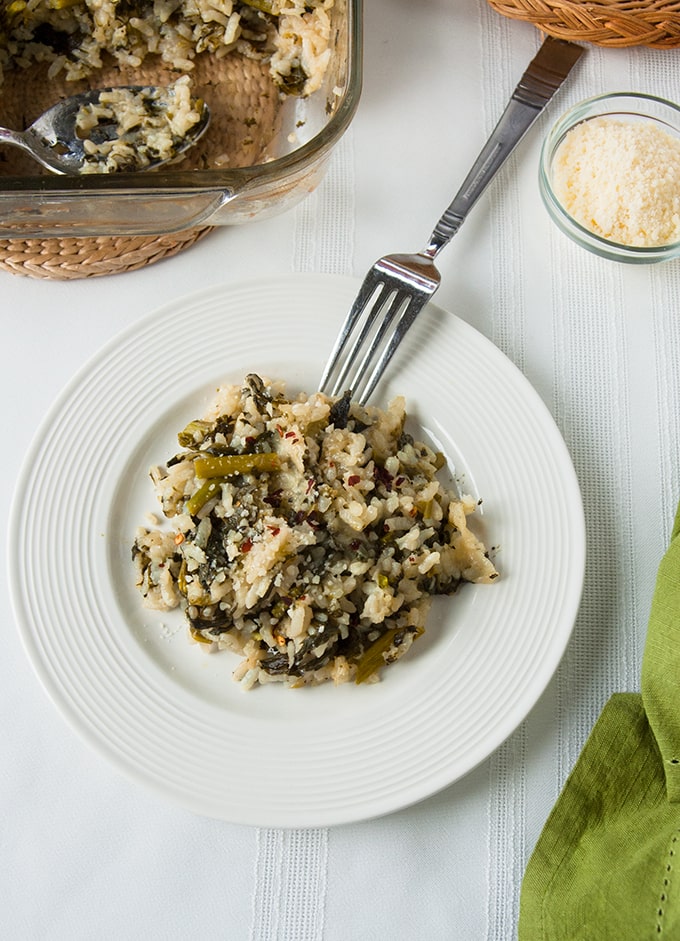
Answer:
(544, 75)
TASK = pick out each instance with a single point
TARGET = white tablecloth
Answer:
(85, 853)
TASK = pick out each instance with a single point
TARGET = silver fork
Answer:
(400, 285)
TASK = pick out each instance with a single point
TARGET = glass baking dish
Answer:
(267, 166)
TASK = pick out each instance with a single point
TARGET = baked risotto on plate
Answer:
(306, 534)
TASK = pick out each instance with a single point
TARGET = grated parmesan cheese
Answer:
(621, 180)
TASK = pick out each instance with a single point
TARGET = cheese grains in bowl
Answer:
(306, 534)
(610, 177)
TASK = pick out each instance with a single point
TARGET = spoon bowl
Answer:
(85, 134)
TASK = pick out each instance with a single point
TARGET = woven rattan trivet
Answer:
(245, 108)
(70, 258)
(616, 24)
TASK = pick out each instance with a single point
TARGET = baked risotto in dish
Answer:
(306, 534)
(75, 36)
(243, 57)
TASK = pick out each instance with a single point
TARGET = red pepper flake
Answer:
(275, 530)
(310, 484)
(289, 434)
(353, 480)
(399, 481)
(280, 431)
(250, 441)
(246, 545)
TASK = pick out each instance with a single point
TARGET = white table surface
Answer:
(85, 853)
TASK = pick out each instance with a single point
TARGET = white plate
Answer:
(168, 714)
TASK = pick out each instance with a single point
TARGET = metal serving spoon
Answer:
(54, 141)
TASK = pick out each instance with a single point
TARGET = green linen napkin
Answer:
(607, 864)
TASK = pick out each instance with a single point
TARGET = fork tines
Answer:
(389, 300)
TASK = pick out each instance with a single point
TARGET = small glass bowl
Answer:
(629, 107)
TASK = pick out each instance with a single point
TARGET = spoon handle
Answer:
(13, 137)
(32, 147)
